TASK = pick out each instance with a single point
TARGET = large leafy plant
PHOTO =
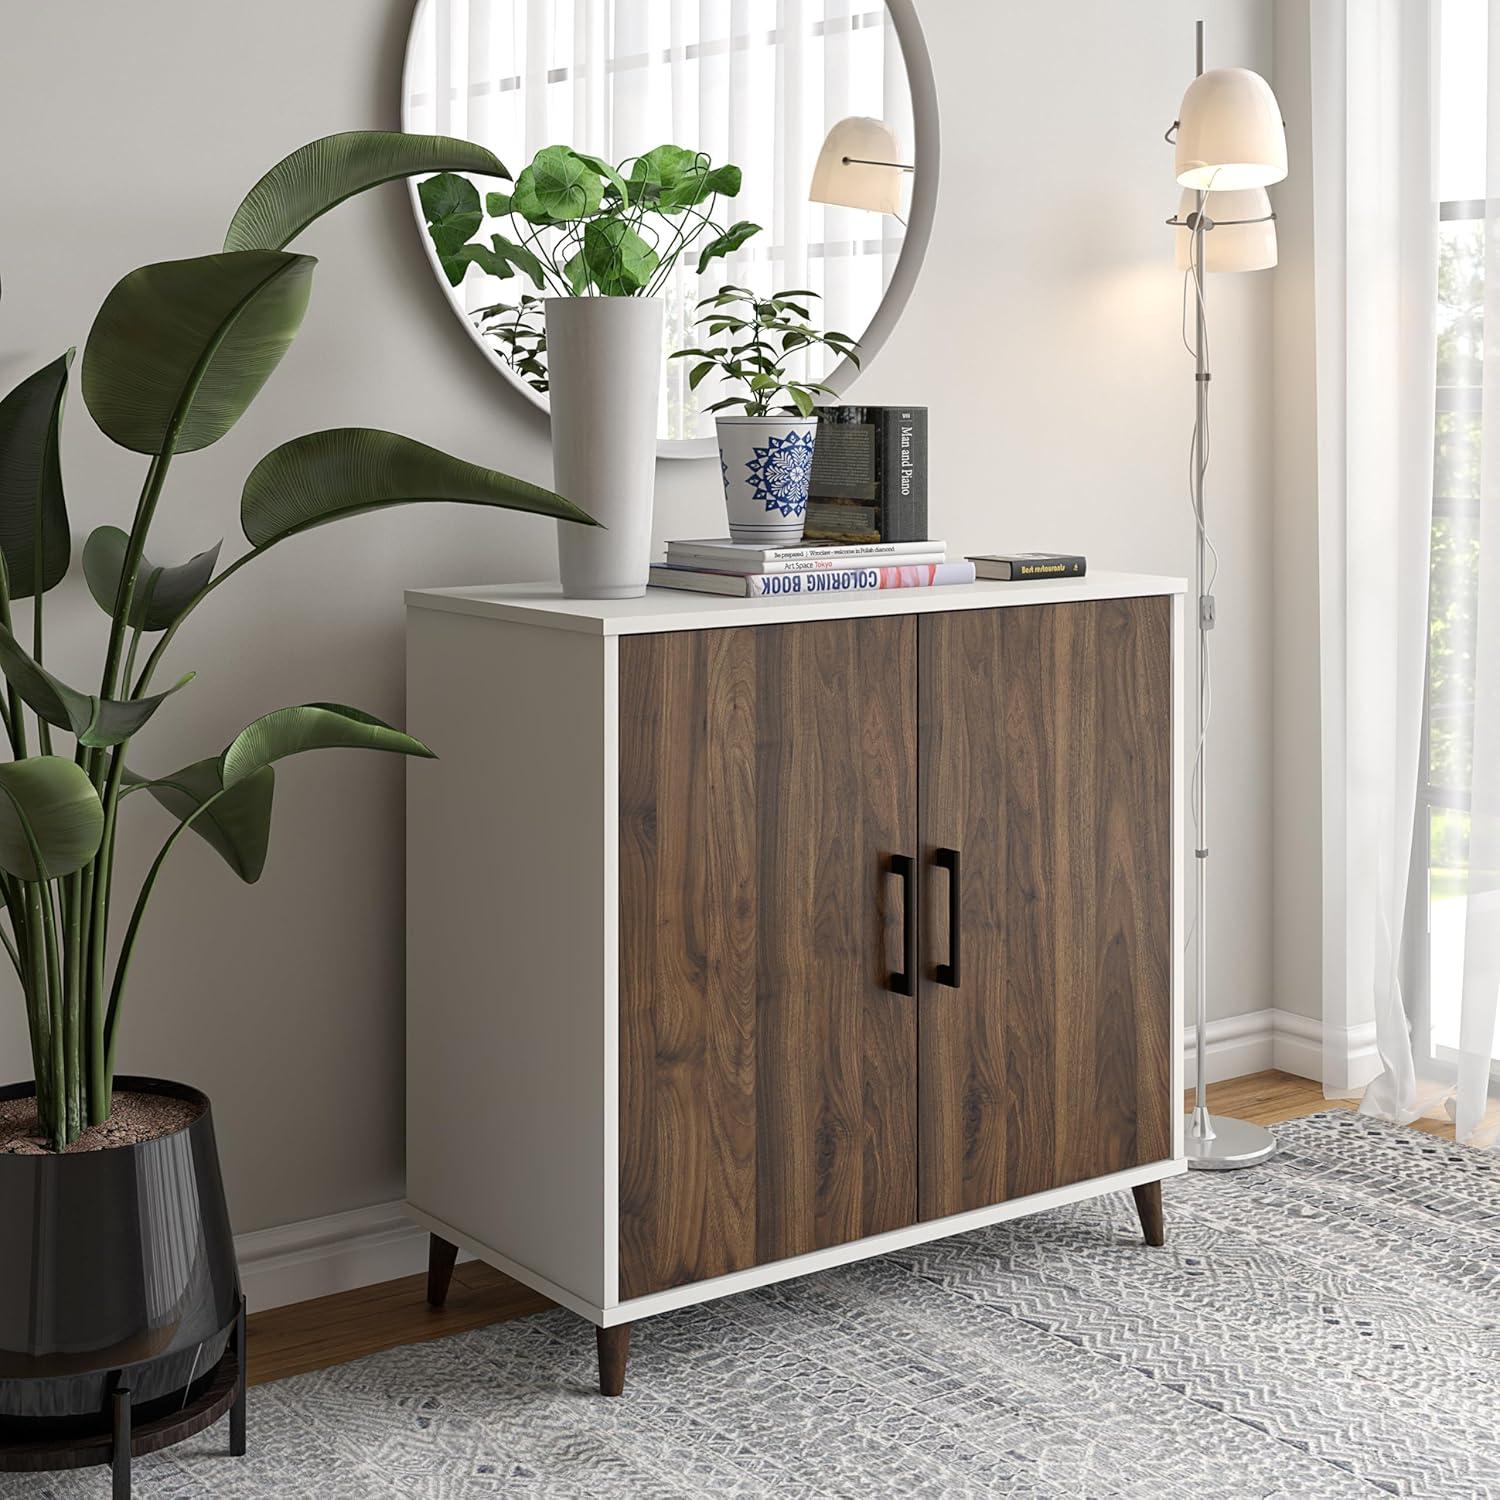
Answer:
(176, 354)
(579, 228)
(760, 338)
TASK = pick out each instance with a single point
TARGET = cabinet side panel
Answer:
(508, 931)
(688, 899)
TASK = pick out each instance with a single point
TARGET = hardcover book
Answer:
(804, 585)
(752, 557)
(869, 475)
(1014, 566)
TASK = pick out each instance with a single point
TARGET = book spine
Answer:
(1068, 567)
(764, 555)
(803, 564)
(858, 580)
(903, 474)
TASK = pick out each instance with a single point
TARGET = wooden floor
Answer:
(312, 1335)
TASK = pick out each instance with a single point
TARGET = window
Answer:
(1442, 834)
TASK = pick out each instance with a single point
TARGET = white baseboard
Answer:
(1234, 1046)
(342, 1252)
(1272, 1038)
(339, 1253)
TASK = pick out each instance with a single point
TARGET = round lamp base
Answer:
(1235, 1144)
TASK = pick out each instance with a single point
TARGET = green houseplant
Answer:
(177, 353)
(596, 244)
(765, 453)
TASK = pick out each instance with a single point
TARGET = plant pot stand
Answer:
(134, 1432)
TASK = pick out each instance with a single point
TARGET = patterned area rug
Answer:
(1327, 1325)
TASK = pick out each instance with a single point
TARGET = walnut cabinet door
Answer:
(1046, 826)
(768, 1059)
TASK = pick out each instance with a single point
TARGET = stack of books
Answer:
(721, 566)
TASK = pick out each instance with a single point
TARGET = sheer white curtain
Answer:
(753, 82)
(1376, 90)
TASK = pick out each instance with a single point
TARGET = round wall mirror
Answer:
(758, 84)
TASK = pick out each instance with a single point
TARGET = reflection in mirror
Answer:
(756, 83)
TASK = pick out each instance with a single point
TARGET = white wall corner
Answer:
(1235, 1046)
(1344, 1058)
(339, 1253)
(1351, 1057)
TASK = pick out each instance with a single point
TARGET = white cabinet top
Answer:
(679, 609)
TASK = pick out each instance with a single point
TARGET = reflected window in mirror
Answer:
(756, 83)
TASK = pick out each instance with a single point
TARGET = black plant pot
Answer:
(117, 1269)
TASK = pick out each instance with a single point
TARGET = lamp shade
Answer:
(842, 175)
(1243, 237)
(1229, 132)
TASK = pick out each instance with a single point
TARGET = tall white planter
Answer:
(604, 357)
(766, 462)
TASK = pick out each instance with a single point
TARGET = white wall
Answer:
(1044, 336)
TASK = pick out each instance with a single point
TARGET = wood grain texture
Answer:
(614, 1354)
(768, 1080)
(1148, 1205)
(331, 1330)
(1046, 761)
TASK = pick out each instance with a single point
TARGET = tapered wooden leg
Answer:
(440, 1258)
(119, 1462)
(1148, 1206)
(238, 1410)
(614, 1350)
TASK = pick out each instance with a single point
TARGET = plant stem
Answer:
(15, 722)
(159, 649)
(127, 947)
(144, 511)
(94, 920)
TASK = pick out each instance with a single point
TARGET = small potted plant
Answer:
(765, 454)
(601, 242)
(120, 1309)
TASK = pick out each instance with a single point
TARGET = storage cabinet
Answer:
(748, 937)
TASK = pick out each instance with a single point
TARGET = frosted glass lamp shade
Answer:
(1243, 237)
(1229, 132)
(843, 175)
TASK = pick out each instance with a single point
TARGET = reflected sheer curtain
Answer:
(1377, 102)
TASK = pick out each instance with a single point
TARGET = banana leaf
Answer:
(322, 174)
(31, 492)
(96, 722)
(172, 590)
(50, 818)
(181, 348)
(348, 470)
(310, 726)
(237, 826)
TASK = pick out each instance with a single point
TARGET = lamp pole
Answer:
(1215, 1145)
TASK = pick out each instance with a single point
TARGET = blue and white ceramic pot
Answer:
(767, 462)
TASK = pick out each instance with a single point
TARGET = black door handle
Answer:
(902, 982)
(949, 973)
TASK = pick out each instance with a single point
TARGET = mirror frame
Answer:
(926, 158)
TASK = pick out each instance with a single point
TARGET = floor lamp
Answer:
(1230, 144)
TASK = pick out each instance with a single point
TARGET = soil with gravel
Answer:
(133, 1118)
